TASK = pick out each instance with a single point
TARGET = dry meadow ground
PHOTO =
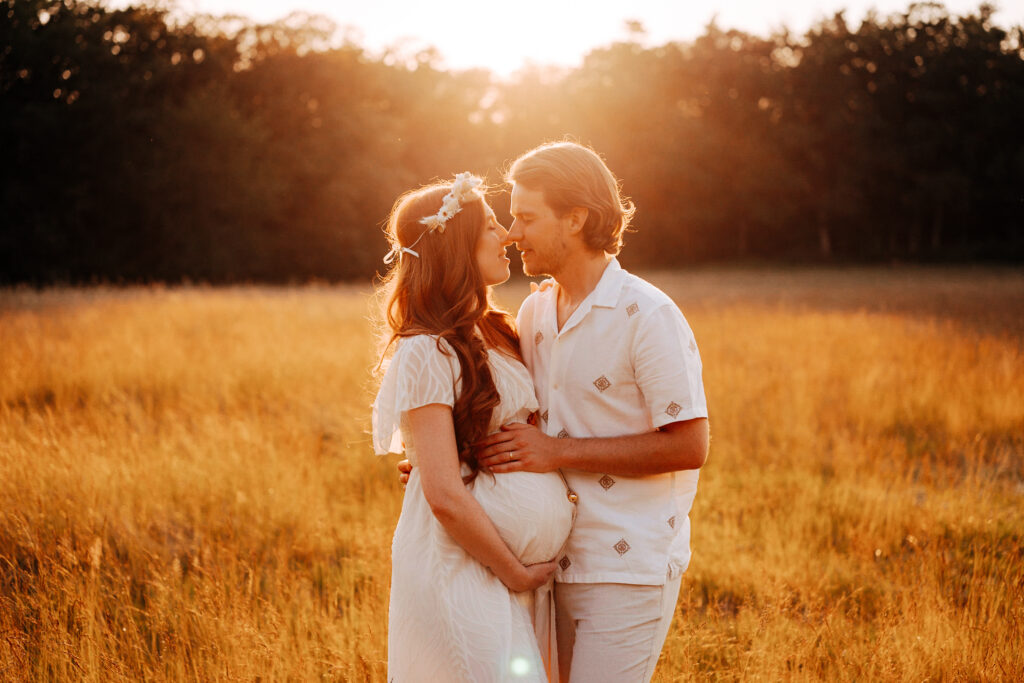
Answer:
(187, 490)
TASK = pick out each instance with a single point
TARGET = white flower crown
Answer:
(463, 188)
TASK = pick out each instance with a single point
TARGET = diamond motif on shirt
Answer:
(672, 521)
(544, 416)
(673, 409)
(564, 562)
(632, 309)
(602, 383)
(606, 482)
(621, 547)
(563, 434)
(538, 338)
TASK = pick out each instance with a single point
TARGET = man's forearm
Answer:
(679, 446)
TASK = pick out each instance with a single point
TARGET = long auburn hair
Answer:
(442, 293)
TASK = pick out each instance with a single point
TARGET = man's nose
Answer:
(515, 233)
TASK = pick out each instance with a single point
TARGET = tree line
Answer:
(137, 148)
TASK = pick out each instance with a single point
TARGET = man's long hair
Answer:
(570, 176)
(441, 292)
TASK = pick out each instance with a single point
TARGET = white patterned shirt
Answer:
(624, 363)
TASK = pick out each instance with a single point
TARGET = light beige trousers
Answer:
(612, 632)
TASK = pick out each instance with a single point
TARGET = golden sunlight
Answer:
(505, 37)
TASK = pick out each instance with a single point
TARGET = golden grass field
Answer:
(187, 489)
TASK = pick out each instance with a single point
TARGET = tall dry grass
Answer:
(187, 491)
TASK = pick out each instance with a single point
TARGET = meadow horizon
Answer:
(189, 490)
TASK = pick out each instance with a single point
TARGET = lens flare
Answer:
(519, 666)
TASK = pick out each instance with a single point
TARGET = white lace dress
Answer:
(450, 618)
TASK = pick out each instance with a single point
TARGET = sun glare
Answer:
(504, 38)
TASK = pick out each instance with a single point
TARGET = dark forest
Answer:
(140, 149)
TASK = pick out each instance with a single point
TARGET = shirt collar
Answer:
(604, 295)
(609, 287)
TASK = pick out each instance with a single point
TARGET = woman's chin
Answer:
(500, 277)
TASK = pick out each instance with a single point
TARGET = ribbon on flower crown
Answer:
(463, 188)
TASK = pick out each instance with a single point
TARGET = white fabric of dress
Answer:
(450, 618)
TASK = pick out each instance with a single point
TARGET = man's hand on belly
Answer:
(518, 447)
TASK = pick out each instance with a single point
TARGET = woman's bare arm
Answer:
(432, 435)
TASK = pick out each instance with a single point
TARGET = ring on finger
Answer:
(509, 459)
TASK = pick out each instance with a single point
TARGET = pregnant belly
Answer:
(529, 509)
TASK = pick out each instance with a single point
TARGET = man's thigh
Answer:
(612, 631)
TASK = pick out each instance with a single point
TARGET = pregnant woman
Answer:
(472, 555)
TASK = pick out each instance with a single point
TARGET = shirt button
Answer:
(555, 387)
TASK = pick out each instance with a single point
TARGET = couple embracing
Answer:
(553, 459)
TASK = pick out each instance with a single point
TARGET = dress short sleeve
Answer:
(423, 370)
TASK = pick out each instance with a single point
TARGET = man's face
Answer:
(539, 234)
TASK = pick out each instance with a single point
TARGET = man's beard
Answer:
(550, 264)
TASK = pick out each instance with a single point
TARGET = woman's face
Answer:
(490, 250)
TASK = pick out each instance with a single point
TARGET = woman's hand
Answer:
(404, 470)
(454, 506)
(529, 577)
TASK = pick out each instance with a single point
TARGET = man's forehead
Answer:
(527, 199)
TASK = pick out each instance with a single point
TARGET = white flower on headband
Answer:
(463, 189)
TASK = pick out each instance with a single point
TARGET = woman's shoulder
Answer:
(422, 366)
(423, 354)
(423, 345)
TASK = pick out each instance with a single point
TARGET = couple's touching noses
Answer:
(552, 459)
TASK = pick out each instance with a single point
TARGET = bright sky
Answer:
(504, 36)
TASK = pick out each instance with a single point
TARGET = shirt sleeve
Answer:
(668, 367)
(420, 373)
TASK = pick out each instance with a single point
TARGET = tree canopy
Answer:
(137, 148)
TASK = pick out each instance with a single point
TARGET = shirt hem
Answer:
(654, 579)
(682, 417)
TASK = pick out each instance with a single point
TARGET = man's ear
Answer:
(577, 219)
